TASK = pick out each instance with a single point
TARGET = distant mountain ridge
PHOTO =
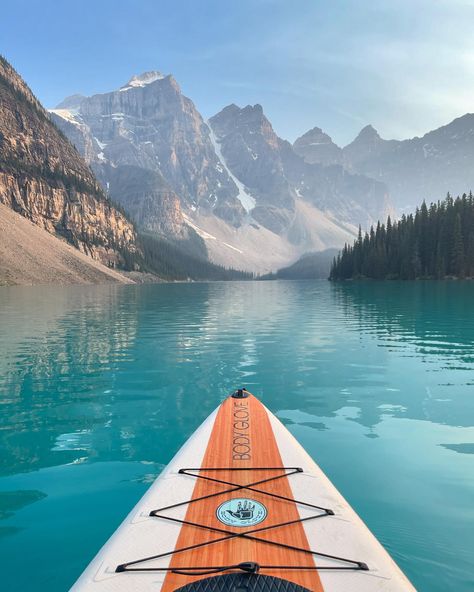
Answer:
(253, 200)
(310, 266)
(426, 167)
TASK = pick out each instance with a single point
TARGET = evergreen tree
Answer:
(436, 242)
(457, 254)
(469, 261)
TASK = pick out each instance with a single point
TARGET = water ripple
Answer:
(373, 378)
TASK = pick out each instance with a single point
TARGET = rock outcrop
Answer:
(43, 178)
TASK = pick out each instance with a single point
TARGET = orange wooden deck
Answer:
(242, 436)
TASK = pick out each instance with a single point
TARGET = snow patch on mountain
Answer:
(102, 145)
(202, 233)
(140, 80)
(66, 114)
(206, 235)
(247, 201)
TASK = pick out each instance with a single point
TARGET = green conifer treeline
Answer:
(436, 242)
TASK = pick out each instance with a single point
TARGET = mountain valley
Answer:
(256, 203)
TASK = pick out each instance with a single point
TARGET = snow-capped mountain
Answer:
(148, 124)
(257, 204)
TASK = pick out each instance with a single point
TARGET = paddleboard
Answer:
(242, 507)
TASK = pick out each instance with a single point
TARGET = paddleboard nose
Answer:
(241, 393)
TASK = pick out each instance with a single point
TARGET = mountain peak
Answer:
(71, 103)
(313, 137)
(368, 132)
(143, 79)
(315, 146)
(230, 109)
(314, 131)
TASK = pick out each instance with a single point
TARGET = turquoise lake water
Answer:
(99, 386)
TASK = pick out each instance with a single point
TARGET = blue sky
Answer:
(405, 66)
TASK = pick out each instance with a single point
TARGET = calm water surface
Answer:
(99, 386)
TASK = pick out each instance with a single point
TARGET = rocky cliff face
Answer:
(147, 198)
(251, 150)
(44, 179)
(276, 176)
(150, 124)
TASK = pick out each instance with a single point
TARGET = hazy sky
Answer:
(405, 66)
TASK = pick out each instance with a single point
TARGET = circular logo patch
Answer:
(241, 512)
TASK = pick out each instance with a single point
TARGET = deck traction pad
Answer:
(242, 583)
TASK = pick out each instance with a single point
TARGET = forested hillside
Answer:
(170, 261)
(436, 242)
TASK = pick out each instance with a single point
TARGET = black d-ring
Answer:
(241, 393)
